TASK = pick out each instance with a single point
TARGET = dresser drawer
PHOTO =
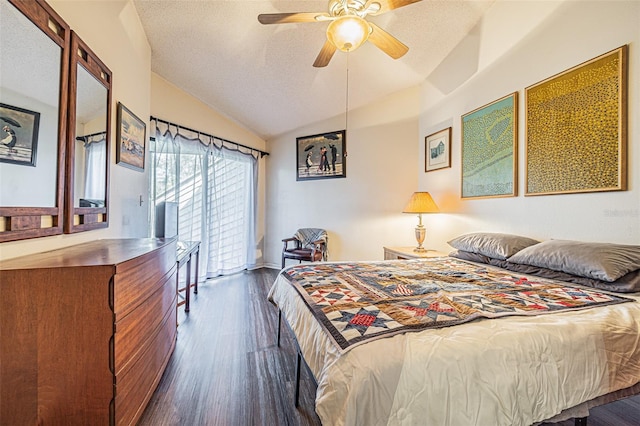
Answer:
(136, 383)
(133, 331)
(137, 278)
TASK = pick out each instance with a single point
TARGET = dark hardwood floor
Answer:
(227, 369)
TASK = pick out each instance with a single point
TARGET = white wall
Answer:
(113, 31)
(361, 212)
(566, 34)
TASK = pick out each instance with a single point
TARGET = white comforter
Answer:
(507, 371)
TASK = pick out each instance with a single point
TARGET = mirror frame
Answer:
(88, 217)
(27, 222)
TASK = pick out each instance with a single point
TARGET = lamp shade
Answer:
(421, 202)
(347, 33)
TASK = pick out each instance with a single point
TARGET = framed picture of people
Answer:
(321, 156)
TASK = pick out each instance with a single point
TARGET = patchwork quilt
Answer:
(361, 301)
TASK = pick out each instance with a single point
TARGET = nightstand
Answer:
(391, 253)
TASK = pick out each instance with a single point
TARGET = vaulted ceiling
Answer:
(262, 77)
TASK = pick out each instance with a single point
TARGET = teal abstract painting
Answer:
(489, 150)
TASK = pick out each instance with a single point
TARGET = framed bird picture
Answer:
(19, 135)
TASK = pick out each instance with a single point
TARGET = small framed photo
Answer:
(130, 139)
(437, 148)
(19, 135)
(321, 156)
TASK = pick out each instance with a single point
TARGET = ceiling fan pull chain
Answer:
(346, 112)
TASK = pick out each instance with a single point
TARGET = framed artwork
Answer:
(130, 139)
(490, 150)
(19, 135)
(321, 156)
(576, 128)
(437, 150)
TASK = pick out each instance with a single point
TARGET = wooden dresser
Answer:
(86, 331)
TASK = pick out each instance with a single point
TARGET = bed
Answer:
(518, 363)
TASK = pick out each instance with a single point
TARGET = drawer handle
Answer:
(111, 295)
(112, 357)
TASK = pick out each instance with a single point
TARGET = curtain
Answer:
(232, 208)
(216, 191)
(95, 163)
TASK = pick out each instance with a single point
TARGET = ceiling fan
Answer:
(348, 28)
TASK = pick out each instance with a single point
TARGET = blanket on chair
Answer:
(361, 301)
(307, 236)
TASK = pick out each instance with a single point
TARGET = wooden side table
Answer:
(393, 253)
(185, 252)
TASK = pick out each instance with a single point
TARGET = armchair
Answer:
(310, 244)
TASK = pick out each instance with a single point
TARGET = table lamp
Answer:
(421, 202)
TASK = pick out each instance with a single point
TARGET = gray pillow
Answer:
(495, 245)
(472, 257)
(601, 261)
(628, 283)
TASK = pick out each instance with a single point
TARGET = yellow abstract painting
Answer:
(576, 129)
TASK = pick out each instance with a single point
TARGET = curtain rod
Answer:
(80, 138)
(159, 120)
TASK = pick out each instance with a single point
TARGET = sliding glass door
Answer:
(215, 188)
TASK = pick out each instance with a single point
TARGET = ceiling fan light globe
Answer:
(347, 33)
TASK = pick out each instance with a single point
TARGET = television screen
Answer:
(166, 219)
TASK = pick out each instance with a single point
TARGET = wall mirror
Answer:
(88, 147)
(34, 42)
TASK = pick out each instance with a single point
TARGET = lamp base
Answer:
(420, 234)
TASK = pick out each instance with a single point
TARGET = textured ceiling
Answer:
(262, 76)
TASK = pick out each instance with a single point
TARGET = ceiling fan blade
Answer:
(386, 42)
(386, 5)
(284, 18)
(325, 55)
